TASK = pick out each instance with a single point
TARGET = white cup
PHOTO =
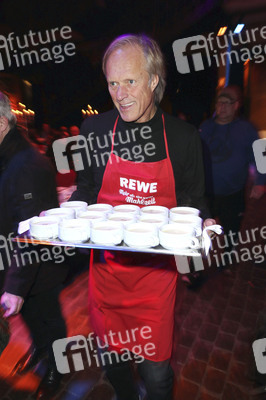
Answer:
(92, 216)
(156, 219)
(101, 207)
(74, 230)
(127, 208)
(141, 235)
(62, 213)
(44, 227)
(77, 206)
(107, 233)
(184, 211)
(124, 218)
(177, 236)
(187, 219)
(155, 210)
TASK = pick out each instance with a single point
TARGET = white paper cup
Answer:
(107, 233)
(127, 208)
(156, 219)
(101, 207)
(92, 216)
(174, 236)
(124, 218)
(187, 219)
(74, 230)
(44, 227)
(62, 213)
(75, 205)
(155, 210)
(141, 235)
(184, 211)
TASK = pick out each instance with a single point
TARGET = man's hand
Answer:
(209, 222)
(11, 303)
(257, 192)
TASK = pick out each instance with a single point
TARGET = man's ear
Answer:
(237, 106)
(4, 124)
(154, 82)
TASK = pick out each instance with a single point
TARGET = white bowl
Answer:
(184, 211)
(76, 205)
(127, 208)
(156, 219)
(62, 213)
(107, 233)
(124, 218)
(141, 235)
(101, 207)
(155, 210)
(92, 216)
(187, 219)
(173, 236)
(74, 230)
(44, 227)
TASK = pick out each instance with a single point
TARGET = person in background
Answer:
(135, 290)
(27, 187)
(73, 130)
(63, 131)
(4, 331)
(227, 147)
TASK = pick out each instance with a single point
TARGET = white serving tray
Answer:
(26, 238)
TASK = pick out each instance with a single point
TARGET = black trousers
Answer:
(42, 315)
(229, 210)
(157, 377)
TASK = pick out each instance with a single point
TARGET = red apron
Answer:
(132, 297)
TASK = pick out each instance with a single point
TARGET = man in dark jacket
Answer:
(28, 283)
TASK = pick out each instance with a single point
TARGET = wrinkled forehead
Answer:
(128, 52)
(228, 93)
(224, 97)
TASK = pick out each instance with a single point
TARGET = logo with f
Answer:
(4, 45)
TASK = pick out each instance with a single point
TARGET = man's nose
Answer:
(121, 93)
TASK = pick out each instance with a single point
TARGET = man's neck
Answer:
(224, 122)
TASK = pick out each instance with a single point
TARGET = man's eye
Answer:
(113, 84)
(131, 81)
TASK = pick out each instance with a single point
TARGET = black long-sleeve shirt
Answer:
(142, 142)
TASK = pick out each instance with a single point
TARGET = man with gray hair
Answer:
(27, 187)
(227, 143)
(138, 155)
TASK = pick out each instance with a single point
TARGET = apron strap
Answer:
(164, 135)
(165, 140)
(112, 149)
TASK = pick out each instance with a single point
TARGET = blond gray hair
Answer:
(5, 110)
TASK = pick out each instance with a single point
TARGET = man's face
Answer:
(128, 84)
(226, 110)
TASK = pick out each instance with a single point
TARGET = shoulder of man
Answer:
(99, 123)
(243, 123)
(30, 158)
(207, 124)
(178, 127)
